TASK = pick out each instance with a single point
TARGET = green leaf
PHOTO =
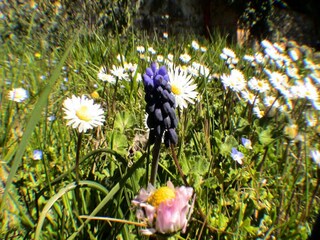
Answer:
(229, 143)
(265, 137)
(123, 121)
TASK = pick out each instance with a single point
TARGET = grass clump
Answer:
(248, 137)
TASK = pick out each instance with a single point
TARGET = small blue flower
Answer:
(37, 154)
(246, 143)
(51, 118)
(237, 155)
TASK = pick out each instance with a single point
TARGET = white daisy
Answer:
(200, 69)
(140, 49)
(182, 86)
(272, 53)
(119, 72)
(130, 67)
(293, 72)
(315, 75)
(311, 90)
(258, 112)
(266, 44)
(311, 118)
(185, 58)
(228, 53)
(271, 101)
(294, 54)
(151, 50)
(249, 97)
(298, 90)
(121, 58)
(170, 57)
(279, 47)
(203, 49)
(104, 76)
(160, 58)
(278, 80)
(195, 45)
(82, 113)
(258, 85)
(18, 95)
(248, 58)
(259, 58)
(235, 80)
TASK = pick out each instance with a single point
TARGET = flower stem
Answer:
(155, 160)
(178, 165)
(78, 157)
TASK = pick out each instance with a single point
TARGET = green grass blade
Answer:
(63, 191)
(34, 119)
(111, 194)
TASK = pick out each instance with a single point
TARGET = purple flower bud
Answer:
(150, 108)
(167, 122)
(149, 72)
(166, 108)
(170, 137)
(147, 80)
(162, 71)
(158, 114)
(154, 67)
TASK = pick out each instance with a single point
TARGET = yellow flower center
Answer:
(161, 195)
(291, 131)
(18, 95)
(95, 95)
(260, 84)
(83, 114)
(176, 90)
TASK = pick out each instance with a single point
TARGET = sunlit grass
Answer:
(273, 193)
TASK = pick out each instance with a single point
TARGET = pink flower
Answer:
(165, 210)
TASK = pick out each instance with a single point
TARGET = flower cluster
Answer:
(278, 84)
(160, 105)
(127, 71)
(164, 210)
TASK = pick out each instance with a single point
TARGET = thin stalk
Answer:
(115, 96)
(155, 160)
(175, 159)
(78, 157)
(109, 219)
(148, 162)
(314, 194)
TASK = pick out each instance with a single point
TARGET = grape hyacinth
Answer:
(160, 105)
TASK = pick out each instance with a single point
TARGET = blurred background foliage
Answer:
(57, 19)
